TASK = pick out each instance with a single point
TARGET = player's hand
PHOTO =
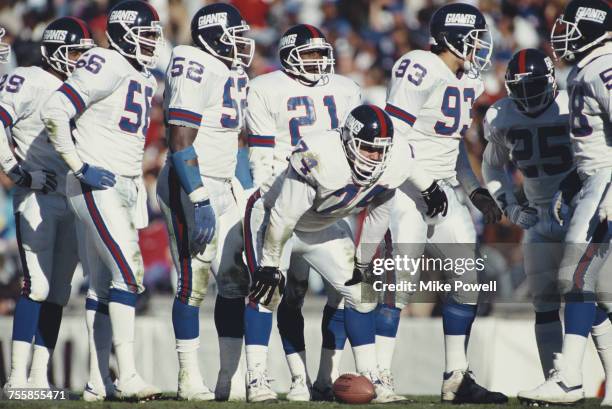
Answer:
(604, 211)
(361, 274)
(435, 199)
(559, 208)
(523, 216)
(95, 177)
(43, 180)
(204, 231)
(265, 282)
(482, 199)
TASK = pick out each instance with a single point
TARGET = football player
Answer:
(205, 100)
(430, 99)
(109, 98)
(313, 99)
(330, 176)
(44, 223)
(5, 49)
(581, 36)
(531, 127)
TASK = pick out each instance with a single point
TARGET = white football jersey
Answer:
(539, 146)
(321, 162)
(203, 93)
(22, 96)
(281, 111)
(589, 84)
(431, 106)
(113, 104)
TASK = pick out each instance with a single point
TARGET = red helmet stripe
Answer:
(381, 119)
(84, 29)
(313, 31)
(152, 10)
(521, 61)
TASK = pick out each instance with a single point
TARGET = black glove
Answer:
(570, 185)
(482, 199)
(42, 180)
(436, 200)
(361, 274)
(265, 282)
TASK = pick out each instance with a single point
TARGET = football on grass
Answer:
(352, 388)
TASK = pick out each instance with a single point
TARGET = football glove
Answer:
(96, 177)
(204, 220)
(435, 199)
(361, 274)
(482, 199)
(523, 216)
(43, 180)
(266, 280)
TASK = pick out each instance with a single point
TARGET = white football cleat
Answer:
(229, 388)
(322, 392)
(135, 388)
(386, 377)
(192, 388)
(258, 387)
(556, 390)
(96, 393)
(384, 393)
(300, 390)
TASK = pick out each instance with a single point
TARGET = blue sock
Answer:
(579, 318)
(185, 320)
(25, 320)
(122, 297)
(600, 316)
(332, 328)
(257, 326)
(457, 319)
(48, 325)
(387, 320)
(229, 317)
(290, 323)
(360, 326)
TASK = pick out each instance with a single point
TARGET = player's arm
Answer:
(92, 80)
(496, 157)
(433, 196)
(480, 197)
(15, 102)
(261, 137)
(295, 198)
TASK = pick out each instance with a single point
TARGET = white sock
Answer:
(549, 338)
(365, 358)
(297, 364)
(573, 355)
(100, 342)
(187, 350)
(455, 358)
(329, 366)
(257, 357)
(20, 354)
(122, 321)
(602, 337)
(40, 365)
(385, 346)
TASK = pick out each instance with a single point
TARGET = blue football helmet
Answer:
(530, 80)
(135, 31)
(462, 29)
(62, 36)
(217, 29)
(304, 38)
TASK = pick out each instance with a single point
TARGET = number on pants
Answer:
(134, 107)
(524, 147)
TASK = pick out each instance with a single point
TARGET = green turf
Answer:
(169, 403)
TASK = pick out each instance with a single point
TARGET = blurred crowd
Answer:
(367, 35)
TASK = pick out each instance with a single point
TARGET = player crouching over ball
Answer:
(293, 224)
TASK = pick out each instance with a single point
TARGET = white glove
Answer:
(523, 216)
(605, 207)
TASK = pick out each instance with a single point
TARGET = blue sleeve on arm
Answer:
(189, 175)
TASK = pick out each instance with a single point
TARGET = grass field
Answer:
(169, 403)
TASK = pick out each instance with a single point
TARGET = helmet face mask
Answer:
(61, 60)
(5, 49)
(146, 41)
(312, 69)
(361, 138)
